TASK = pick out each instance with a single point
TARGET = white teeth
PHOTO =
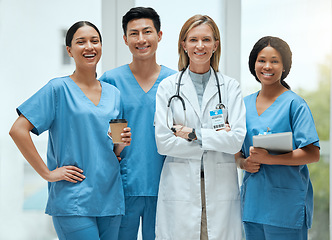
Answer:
(268, 74)
(89, 55)
(141, 48)
(200, 54)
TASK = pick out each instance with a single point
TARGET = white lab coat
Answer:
(179, 200)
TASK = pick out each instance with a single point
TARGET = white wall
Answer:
(115, 51)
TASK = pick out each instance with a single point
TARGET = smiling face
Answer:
(85, 47)
(142, 38)
(200, 45)
(269, 66)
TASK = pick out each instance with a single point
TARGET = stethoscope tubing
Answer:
(220, 105)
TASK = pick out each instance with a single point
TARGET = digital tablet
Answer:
(275, 142)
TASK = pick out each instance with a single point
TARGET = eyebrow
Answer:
(81, 38)
(203, 37)
(265, 57)
(136, 30)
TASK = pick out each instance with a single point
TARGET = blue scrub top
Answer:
(78, 136)
(279, 195)
(141, 164)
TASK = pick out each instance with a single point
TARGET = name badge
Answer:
(217, 119)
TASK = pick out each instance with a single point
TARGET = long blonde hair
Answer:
(192, 22)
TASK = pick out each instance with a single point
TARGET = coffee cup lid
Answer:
(118, 121)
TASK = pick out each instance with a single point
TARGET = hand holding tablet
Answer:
(275, 142)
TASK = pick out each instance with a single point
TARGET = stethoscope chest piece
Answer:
(220, 106)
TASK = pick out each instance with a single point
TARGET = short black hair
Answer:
(141, 12)
(72, 30)
(278, 44)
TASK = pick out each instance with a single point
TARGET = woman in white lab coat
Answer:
(199, 193)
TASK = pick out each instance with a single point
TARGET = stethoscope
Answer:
(220, 105)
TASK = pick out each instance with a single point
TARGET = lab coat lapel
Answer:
(189, 92)
(210, 91)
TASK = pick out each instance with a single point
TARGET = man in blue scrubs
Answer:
(138, 82)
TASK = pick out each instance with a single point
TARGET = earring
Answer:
(283, 70)
(213, 51)
(185, 51)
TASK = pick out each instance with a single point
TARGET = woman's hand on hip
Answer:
(67, 173)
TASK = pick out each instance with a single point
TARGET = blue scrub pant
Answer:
(87, 228)
(137, 208)
(256, 231)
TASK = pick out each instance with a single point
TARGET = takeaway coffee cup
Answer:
(117, 126)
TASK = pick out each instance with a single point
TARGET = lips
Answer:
(142, 48)
(268, 74)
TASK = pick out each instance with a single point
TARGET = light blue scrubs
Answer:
(87, 228)
(277, 195)
(78, 136)
(141, 164)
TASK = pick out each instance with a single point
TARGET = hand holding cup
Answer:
(120, 133)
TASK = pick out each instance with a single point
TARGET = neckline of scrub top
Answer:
(82, 93)
(270, 107)
(135, 80)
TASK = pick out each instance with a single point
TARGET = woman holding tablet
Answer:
(276, 194)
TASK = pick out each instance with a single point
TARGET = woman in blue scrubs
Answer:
(276, 194)
(85, 191)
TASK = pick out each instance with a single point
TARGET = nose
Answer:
(88, 45)
(200, 44)
(267, 65)
(141, 38)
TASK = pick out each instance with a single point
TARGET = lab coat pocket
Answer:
(175, 182)
(226, 182)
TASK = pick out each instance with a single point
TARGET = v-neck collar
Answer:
(83, 94)
(139, 86)
(270, 107)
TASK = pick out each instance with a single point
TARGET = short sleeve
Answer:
(40, 109)
(303, 125)
(106, 78)
(103, 77)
